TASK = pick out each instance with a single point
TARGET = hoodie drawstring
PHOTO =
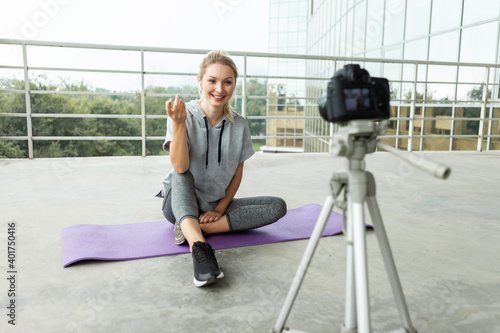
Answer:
(220, 141)
(206, 156)
(219, 157)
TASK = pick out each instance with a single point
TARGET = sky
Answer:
(231, 25)
(196, 24)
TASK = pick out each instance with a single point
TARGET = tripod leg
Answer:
(390, 266)
(360, 268)
(304, 264)
(350, 320)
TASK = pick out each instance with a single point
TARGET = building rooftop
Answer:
(445, 237)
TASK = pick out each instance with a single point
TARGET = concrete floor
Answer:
(445, 237)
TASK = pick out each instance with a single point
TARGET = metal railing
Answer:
(408, 129)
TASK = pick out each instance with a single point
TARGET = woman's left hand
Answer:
(210, 216)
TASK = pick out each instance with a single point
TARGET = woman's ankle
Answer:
(192, 232)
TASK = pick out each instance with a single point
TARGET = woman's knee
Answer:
(184, 201)
(186, 176)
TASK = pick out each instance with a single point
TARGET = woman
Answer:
(208, 145)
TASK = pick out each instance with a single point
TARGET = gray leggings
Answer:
(180, 202)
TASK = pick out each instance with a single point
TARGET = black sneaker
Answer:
(206, 269)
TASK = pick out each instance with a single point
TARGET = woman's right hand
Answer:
(177, 111)
(179, 154)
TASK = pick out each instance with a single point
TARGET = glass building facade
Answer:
(286, 103)
(446, 112)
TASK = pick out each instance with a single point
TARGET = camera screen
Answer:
(357, 99)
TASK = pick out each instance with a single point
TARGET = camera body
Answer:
(352, 94)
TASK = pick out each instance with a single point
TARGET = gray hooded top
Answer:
(214, 152)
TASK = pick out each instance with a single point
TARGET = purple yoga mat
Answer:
(153, 239)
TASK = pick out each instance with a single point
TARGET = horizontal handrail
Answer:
(307, 114)
(240, 53)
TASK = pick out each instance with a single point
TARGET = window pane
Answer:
(442, 73)
(451, 9)
(303, 7)
(470, 112)
(440, 126)
(395, 89)
(436, 144)
(374, 54)
(440, 92)
(471, 74)
(374, 24)
(374, 69)
(407, 91)
(479, 43)
(416, 50)
(409, 72)
(440, 112)
(342, 34)
(273, 25)
(283, 24)
(293, 9)
(479, 10)
(468, 92)
(273, 9)
(464, 144)
(444, 47)
(495, 130)
(466, 127)
(394, 22)
(417, 20)
(283, 9)
(358, 42)
(392, 71)
(350, 33)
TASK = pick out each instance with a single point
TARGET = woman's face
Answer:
(217, 84)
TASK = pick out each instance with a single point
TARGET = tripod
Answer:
(354, 142)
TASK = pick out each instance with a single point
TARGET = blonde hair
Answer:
(219, 57)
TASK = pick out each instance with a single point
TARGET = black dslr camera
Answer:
(353, 94)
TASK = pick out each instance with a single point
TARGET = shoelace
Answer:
(203, 253)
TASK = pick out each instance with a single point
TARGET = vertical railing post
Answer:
(244, 88)
(484, 101)
(454, 109)
(333, 127)
(412, 109)
(143, 108)
(284, 127)
(29, 125)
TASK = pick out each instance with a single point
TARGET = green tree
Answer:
(13, 126)
(75, 104)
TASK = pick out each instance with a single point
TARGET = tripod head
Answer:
(365, 131)
(359, 137)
